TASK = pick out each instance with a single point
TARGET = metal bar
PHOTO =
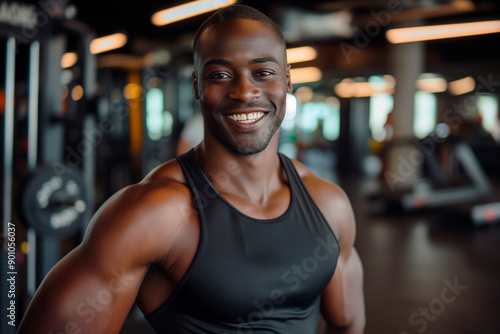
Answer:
(9, 132)
(89, 126)
(34, 76)
(473, 169)
(10, 65)
(31, 263)
(34, 80)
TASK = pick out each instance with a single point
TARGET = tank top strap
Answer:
(203, 191)
(193, 174)
(291, 172)
(197, 180)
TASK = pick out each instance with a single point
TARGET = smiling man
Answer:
(231, 237)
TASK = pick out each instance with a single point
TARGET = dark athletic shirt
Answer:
(251, 276)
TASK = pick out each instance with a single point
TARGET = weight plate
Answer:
(54, 202)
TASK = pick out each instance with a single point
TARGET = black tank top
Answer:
(251, 275)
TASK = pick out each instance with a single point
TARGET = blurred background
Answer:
(397, 101)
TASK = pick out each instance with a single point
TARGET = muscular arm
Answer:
(93, 288)
(80, 296)
(342, 302)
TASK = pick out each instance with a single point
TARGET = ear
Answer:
(289, 87)
(195, 86)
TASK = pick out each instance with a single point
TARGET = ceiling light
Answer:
(353, 89)
(462, 86)
(349, 88)
(305, 74)
(304, 94)
(427, 33)
(432, 85)
(68, 59)
(300, 54)
(107, 43)
(187, 10)
(77, 93)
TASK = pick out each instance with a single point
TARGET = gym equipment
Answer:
(478, 190)
(54, 203)
(435, 190)
(486, 213)
(8, 157)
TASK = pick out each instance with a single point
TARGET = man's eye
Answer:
(219, 76)
(263, 73)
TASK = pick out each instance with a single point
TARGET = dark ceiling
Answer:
(110, 16)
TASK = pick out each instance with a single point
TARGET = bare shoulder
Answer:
(143, 218)
(332, 201)
(170, 170)
(319, 188)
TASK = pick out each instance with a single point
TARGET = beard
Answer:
(246, 143)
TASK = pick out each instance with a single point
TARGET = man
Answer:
(231, 237)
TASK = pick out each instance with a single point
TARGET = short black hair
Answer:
(234, 12)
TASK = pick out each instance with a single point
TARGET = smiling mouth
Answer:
(246, 118)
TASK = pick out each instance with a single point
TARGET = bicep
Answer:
(93, 287)
(80, 296)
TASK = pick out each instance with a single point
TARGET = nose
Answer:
(243, 89)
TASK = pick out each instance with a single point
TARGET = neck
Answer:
(254, 176)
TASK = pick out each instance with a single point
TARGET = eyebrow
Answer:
(218, 62)
(263, 60)
(253, 61)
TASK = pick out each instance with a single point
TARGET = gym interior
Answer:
(397, 101)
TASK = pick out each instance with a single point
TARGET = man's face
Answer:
(242, 82)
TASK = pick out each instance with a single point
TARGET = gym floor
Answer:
(428, 272)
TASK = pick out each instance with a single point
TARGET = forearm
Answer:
(354, 303)
(77, 298)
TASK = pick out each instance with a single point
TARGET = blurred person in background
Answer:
(191, 135)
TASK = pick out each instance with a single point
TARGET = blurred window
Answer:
(488, 109)
(154, 113)
(313, 112)
(291, 112)
(380, 107)
(331, 124)
(424, 118)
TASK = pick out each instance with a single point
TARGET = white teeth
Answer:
(246, 118)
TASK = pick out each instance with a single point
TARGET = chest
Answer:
(242, 263)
